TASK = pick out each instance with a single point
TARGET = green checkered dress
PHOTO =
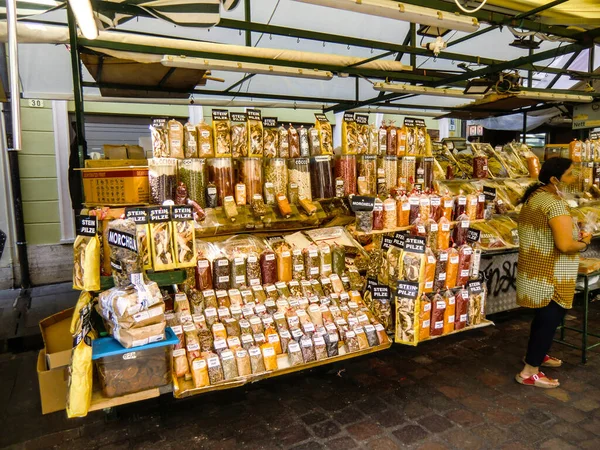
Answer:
(543, 272)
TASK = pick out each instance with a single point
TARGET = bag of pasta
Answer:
(407, 312)
(161, 241)
(79, 387)
(86, 256)
(124, 254)
(140, 217)
(183, 236)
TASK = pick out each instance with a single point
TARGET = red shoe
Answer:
(538, 380)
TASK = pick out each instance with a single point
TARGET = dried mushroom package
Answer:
(424, 322)
(284, 142)
(183, 233)
(477, 295)
(175, 139)
(190, 141)
(255, 133)
(140, 217)
(413, 259)
(314, 141)
(304, 144)
(160, 138)
(221, 132)
(161, 238)
(86, 256)
(407, 312)
(124, 257)
(363, 134)
(294, 142)
(349, 134)
(239, 135)
(325, 133)
(270, 137)
(205, 140)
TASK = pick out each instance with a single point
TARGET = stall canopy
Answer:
(346, 52)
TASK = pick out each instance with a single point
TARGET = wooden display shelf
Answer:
(99, 401)
(484, 323)
(183, 389)
(352, 229)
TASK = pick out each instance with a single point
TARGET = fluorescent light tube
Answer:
(234, 66)
(423, 90)
(402, 11)
(84, 15)
(554, 97)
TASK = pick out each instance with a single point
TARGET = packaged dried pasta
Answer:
(140, 217)
(325, 134)
(221, 132)
(175, 139)
(205, 140)
(161, 238)
(450, 311)
(86, 256)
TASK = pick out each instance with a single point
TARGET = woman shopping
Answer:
(547, 267)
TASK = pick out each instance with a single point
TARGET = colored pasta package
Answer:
(221, 132)
(461, 317)
(465, 254)
(424, 318)
(205, 140)
(407, 312)
(140, 217)
(161, 238)
(270, 137)
(450, 312)
(183, 235)
(86, 256)
(438, 312)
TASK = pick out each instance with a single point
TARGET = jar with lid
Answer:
(162, 179)
(299, 173)
(321, 177)
(276, 173)
(250, 173)
(193, 173)
(220, 172)
(345, 168)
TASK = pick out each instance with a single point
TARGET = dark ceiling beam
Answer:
(517, 17)
(566, 67)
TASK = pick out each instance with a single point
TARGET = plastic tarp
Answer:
(514, 122)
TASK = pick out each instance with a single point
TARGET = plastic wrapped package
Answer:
(364, 221)
(476, 309)
(212, 198)
(345, 168)
(480, 166)
(575, 147)
(325, 259)
(378, 223)
(299, 173)
(210, 299)
(176, 136)
(402, 211)
(311, 262)
(314, 141)
(275, 172)
(162, 179)
(283, 205)
(160, 138)
(239, 136)
(229, 365)
(408, 171)
(205, 140)
(284, 142)
(424, 207)
(462, 309)
(414, 202)
(363, 342)
(193, 173)
(435, 203)
(220, 173)
(268, 267)
(429, 273)
(269, 357)
(418, 227)
(304, 143)
(221, 133)
(465, 253)
(449, 312)
(390, 166)
(270, 138)
(251, 175)
(180, 362)
(338, 257)
(424, 318)
(320, 347)
(298, 271)
(183, 236)
(242, 360)
(389, 214)
(322, 183)
(253, 272)
(259, 293)
(284, 264)
(293, 193)
(255, 133)
(459, 234)
(438, 311)
(294, 142)
(452, 268)
(295, 354)
(367, 168)
(443, 240)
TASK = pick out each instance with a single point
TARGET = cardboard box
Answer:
(53, 385)
(53, 361)
(116, 186)
(135, 152)
(58, 341)
(104, 163)
(114, 151)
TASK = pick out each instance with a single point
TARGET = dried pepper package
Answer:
(461, 317)
(438, 312)
(255, 133)
(452, 268)
(450, 312)
(221, 132)
(140, 217)
(86, 256)
(407, 312)
(183, 234)
(424, 318)
(161, 238)
(124, 257)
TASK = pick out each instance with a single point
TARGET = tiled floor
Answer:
(456, 392)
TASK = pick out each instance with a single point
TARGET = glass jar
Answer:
(220, 172)
(321, 177)
(345, 168)
(367, 168)
(193, 173)
(299, 173)
(162, 179)
(251, 174)
(275, 171)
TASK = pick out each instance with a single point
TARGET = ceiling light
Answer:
(479, 86)
(84, 15)
(549, 96)
(402, 11)
(423, 90)
(234, 66)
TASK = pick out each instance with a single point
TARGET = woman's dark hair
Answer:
(553, 167)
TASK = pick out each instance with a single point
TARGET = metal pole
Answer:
(13, 150)
(247, 13)
(77, 88)
(413, 43)
(529, 82)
